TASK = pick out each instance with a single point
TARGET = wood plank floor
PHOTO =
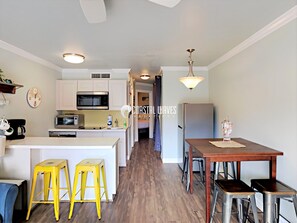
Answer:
(149, 191)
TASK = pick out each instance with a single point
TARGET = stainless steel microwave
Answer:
(70, 121)
(92, 100)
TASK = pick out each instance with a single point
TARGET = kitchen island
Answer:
(22, 155)
(124, 148)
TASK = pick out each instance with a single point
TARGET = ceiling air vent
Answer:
(105, 75)
(98, 75)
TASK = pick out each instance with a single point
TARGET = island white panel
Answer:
(22, 155)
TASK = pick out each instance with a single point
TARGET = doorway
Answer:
(144, 119)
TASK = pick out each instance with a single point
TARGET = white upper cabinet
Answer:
(117, 94)
(66, 94)
(100, 85)
(84, 85)
(92, 85)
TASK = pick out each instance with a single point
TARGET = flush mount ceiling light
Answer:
(145, 76)
(191, 81)
(73, 58)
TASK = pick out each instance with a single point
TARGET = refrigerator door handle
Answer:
(180, 127)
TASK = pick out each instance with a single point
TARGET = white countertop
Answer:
(93, 130)
(62, 143)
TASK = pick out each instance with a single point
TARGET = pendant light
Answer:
(191, 80)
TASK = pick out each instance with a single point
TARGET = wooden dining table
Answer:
(210, 153)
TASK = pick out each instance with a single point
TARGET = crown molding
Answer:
(276, 24)
(183, 68)
(27, 55)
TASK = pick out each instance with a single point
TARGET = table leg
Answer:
(207, 188)
(190, 169)
(272, 165)
(238, 166)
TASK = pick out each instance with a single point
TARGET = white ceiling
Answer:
(137, 34)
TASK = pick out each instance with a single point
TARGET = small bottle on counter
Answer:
(116, 122)
(109, 121)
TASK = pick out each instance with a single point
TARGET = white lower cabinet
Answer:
(122, 145)
(93, 134)
(122, 154)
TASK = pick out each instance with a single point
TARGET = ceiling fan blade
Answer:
(94, 10)
(166, 3)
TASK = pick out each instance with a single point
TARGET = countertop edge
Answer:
(62, 143)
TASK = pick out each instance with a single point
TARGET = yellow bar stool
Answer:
(82, 168)
(51, 170)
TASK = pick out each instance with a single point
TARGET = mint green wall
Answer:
(30, 74)
(257, 90)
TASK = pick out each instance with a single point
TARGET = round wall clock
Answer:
(34, 97)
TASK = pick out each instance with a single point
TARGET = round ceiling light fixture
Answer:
(145, 76)
(73, 57)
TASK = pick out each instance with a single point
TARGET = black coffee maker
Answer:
(19, 129)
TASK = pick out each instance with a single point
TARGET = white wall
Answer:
(30, 74)
(174, 93)
(257, 90)
(143, 86)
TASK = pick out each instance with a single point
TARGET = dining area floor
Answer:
(149, 191)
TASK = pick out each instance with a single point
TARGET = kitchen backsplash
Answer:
(95, 118)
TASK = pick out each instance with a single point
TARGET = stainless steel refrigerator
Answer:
(194, 121)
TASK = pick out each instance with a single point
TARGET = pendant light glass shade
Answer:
(73, 58)
(191, 81)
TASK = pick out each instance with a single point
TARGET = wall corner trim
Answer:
(27, 55)
(276, 24)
